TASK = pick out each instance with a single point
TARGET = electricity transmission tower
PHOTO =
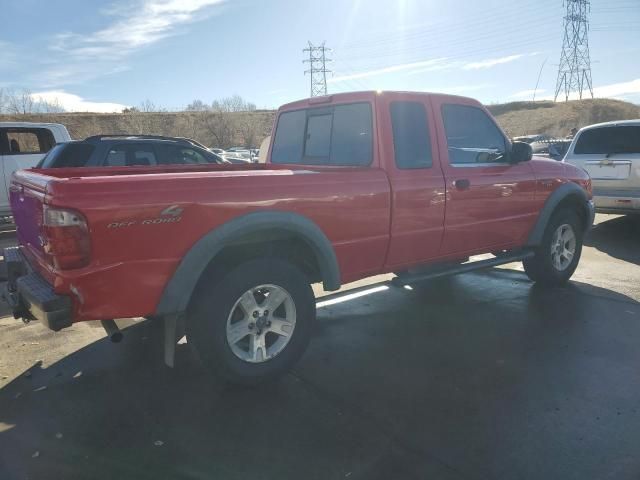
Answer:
(317, 68)
(574, 73)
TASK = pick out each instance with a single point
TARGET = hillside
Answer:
(249, 128)
(521, 118)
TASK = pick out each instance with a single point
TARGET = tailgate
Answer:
(26, 196)
(617, 171)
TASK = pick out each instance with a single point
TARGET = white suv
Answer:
(610, 153)
(22, 145)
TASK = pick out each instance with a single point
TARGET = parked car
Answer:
(610, 153)
(356, 184)
(532, 138)
(554, 148)
(22, 145)
(127, 151)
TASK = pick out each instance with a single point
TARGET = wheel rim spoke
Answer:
(275, 299)
(257, 348)
(281, 327)
(248, 302)
(238, 331)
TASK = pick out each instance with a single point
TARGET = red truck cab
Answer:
(355, 185)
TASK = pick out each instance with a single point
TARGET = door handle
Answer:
(462, 184)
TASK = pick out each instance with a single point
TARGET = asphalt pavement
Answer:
(478, 376)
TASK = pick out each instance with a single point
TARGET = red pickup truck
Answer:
(355, 185)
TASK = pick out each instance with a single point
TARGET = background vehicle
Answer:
(128, 150)
(22, 145)
(554, 148)
(356, 185)
(610, 153)
(532, 138)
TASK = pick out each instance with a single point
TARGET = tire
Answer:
(551, 264)
(235, 343)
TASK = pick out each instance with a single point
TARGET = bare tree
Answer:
(48, 106)
(20, 103)
(3, 100)
(197, 106)
(234, 103)
(220, 127)
(148, 106)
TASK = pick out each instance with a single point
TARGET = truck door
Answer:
(410, 154)
(490, 202)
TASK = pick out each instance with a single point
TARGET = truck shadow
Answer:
(114, 411)
(618, 237)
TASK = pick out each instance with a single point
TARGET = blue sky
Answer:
(101, 54)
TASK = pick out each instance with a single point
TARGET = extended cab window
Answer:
(339, 135)
(605, 140)
(472, 137)
(28, 140)
(411, 140)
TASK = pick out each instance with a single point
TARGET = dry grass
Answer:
(248, 129)
(521, 118)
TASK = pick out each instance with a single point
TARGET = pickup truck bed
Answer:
(211, 247)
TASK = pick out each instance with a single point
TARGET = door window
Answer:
(472, 136)
(608, 140)
(411, 140)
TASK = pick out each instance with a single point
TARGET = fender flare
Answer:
(177, 291)
(561, 193)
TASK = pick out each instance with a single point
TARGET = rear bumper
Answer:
(30, 296)
(619, 203)
(616, 200)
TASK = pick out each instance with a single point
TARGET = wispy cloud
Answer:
(390, 69)
(134, 26)
(491, 62)
(435, 64)
(622, 89)
(75, 103)
(527, 93)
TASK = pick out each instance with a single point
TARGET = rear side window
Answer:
(411, 140)
(177, 155)
(472, 137)
(130, 155)
(27, 141)
(620, 139)
(339, 135)
(68, 155)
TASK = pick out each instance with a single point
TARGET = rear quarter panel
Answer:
(132, 259)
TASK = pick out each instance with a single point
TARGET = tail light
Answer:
(66, 238)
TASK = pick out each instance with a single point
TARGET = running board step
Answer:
(409, 278)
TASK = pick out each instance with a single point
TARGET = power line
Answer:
(574, 72)
(317, 68)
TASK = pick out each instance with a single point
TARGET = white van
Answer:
(610, 153)
(22, 145)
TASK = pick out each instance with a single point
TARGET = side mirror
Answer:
(520, 152)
